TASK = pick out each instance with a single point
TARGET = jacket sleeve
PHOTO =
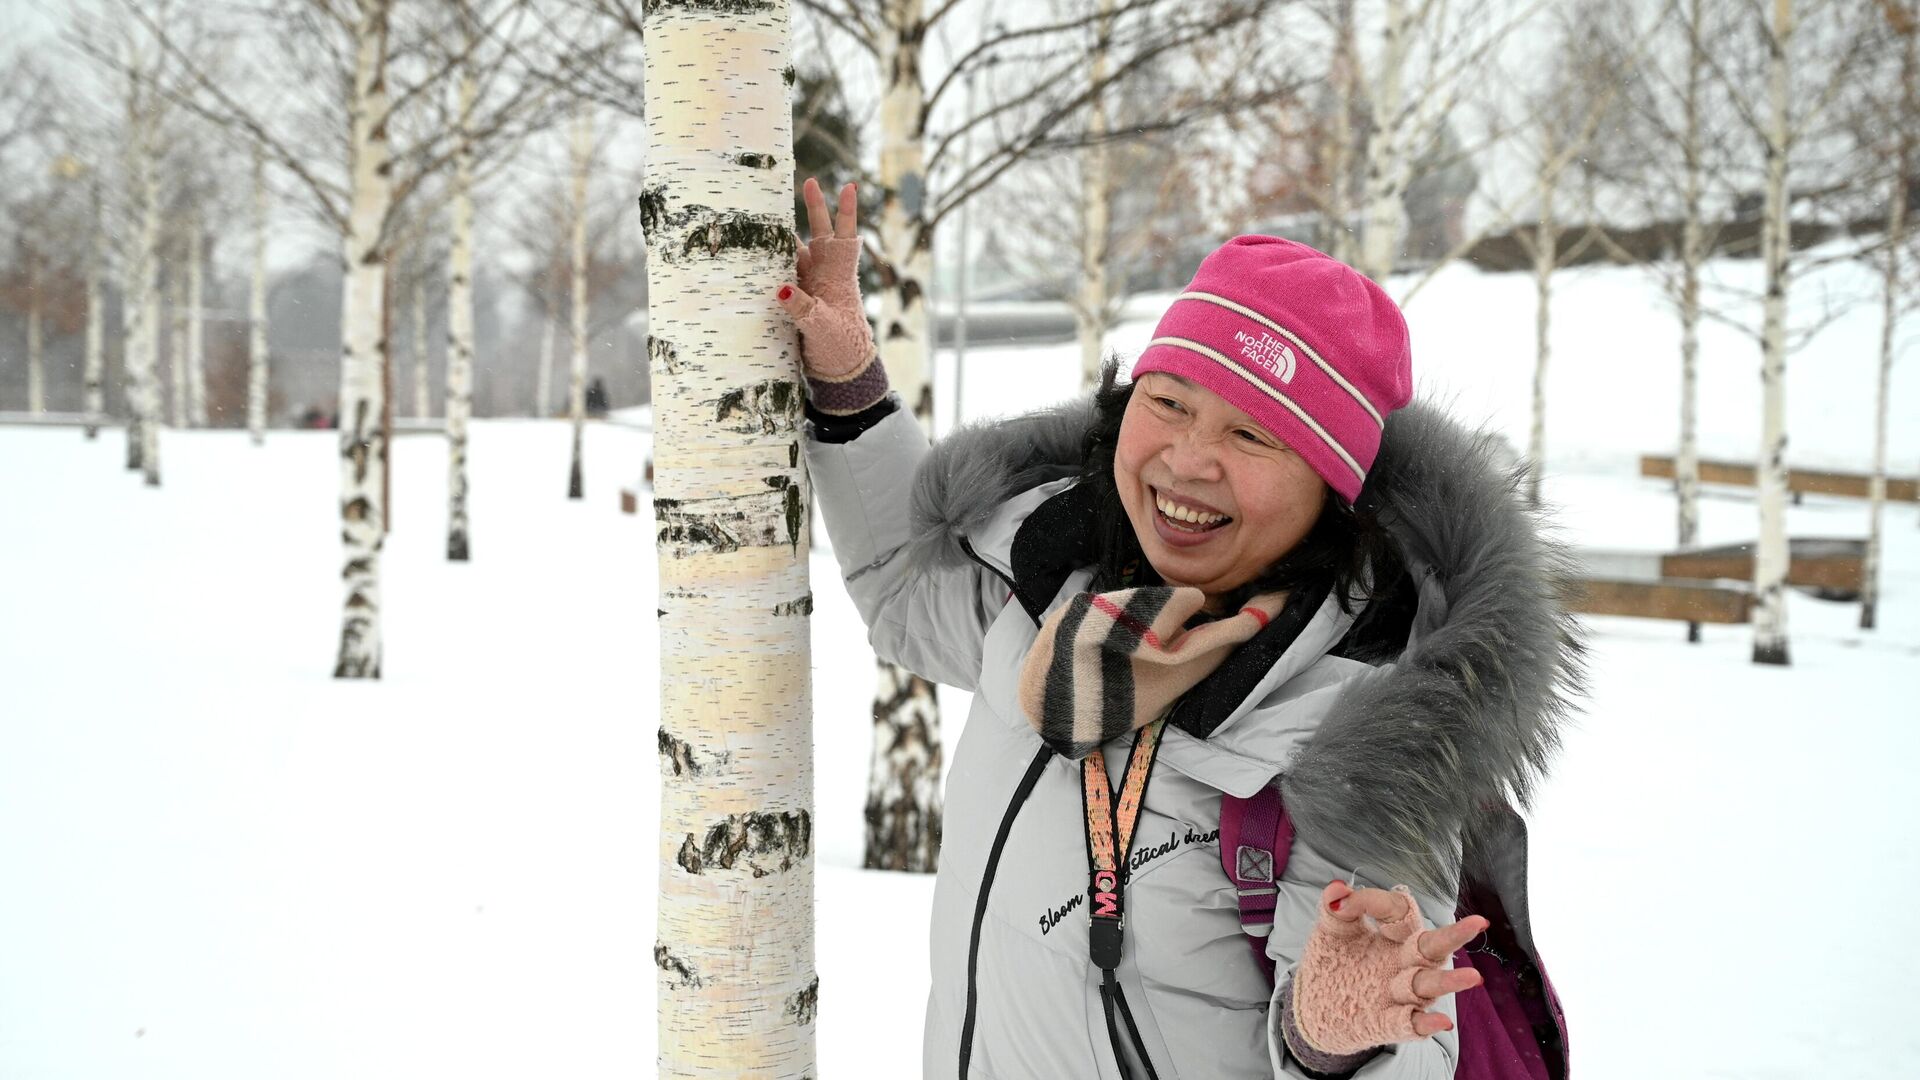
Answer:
(1307, 873)
(931, 620)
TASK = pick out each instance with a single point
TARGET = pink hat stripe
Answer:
(1262, 385)
(1293, 337)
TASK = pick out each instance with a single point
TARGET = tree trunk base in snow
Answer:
(1867, 615)
(1693, 633)
(1771, 654)
(575, 488)
(457, 547)
(904, 820)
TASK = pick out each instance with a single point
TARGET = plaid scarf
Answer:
(1106, 664)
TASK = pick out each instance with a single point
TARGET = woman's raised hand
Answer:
(1372, 968)
(835, 340)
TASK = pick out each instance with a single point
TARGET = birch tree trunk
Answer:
(363, 441)
(737, 987)
(1771, 554)
(93, 373)
(460, 318)
(1388, 166)
(196, 366)
(177, 352)
(257, 309)
(1686, 470)
(148, 280)
(905, 246)
(1890, 286)
(1546, 255)
(36, 354)
(577, 384)
(1090, 312)
(1340, 149)
(543, 382)
(903, 809)
(417, 311)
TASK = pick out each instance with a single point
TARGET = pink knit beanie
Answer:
(1305, 344)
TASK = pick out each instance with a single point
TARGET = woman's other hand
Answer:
(835, 340)
(1372, 969)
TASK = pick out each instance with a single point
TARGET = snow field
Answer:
(218, 862)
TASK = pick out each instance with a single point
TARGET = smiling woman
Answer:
(1202, 568)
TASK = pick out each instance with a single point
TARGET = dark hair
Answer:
(1343, 545)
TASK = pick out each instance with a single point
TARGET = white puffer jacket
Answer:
(954, 554)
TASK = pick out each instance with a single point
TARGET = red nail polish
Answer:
(1335, 905)
(786, 291)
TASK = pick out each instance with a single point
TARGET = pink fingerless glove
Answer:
(1353, 988)
(843, 371)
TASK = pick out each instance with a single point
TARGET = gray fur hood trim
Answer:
(1420, 758)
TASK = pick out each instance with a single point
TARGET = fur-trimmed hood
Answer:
(1418, 764)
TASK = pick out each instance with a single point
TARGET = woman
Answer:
(1232, 572)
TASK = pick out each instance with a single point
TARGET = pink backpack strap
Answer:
(1255, 837)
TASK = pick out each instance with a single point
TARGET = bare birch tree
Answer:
(737, 988)
(257, 359)
(581, 158)
(1897, 148)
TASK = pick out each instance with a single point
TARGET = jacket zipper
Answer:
(967, 546)
(1020, 794)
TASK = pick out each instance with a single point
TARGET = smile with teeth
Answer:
(1187, 518)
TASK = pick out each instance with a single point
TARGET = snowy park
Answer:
(423, 651)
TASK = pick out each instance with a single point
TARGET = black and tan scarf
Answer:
(1105, 664)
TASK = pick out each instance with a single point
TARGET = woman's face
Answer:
(1185, 449)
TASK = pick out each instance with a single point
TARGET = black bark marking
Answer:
(680, 974)
(653, 209)
(761, 844)
(734, 230)
(683, 759)
(757, 161)
(796, 516)
(793, 455)
(725, 7)
(765, 408)
(805, 1005)
(694, 526)
(789, 75)
(802, 606)
(664, 355)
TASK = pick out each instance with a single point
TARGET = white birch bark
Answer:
(363, 441)
(417, 312)
(196, 358)
(736, 981)
(1546, 257)
(1340, 148)
(36, 353)
(148, 293)
(460, 319)
(1771, 553)
(903, 832)
(577, 382)
(543, 380)
(1890, 286)
(177, 349)
(1090, 310)
(1686, 471)
(93, 371)
(1388, 153)
(257, 309)
(905, 246)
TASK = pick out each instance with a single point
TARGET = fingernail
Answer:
(1335, 905)
(786, 291)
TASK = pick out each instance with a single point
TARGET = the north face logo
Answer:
(1269, 352)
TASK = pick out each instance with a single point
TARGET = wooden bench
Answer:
(1799, 481)
(1837, 567)
(1681, 601)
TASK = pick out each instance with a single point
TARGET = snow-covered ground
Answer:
(217, 862)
